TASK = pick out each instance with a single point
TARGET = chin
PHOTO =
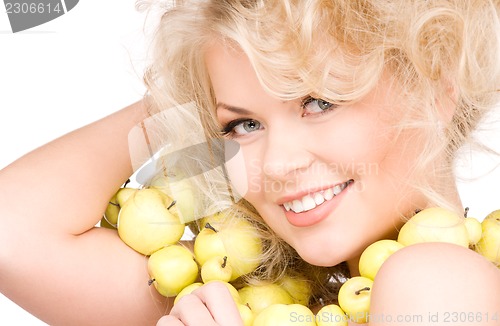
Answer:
(317, 261)
(324, 256)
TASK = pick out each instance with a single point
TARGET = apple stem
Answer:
(209, 226)
(224, 262)
(151, 281)
(126, 183)
(366, 288)
(171, 204)
(466, 211)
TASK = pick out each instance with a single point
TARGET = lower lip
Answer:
(316, 214)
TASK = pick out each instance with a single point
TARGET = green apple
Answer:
(146, 225)
(112, 211)
(216, 268)
(285, 315)
(191, 287)
(215, 220)
(123, 194)
(331, 315)
(177, 186)
(489, 244)
(218, 219)
(105, 224)
(171, 269)
(260, 296)
(237, 239)
(435, 224)
(114, 205)
(493, 215)
(299, 288)
(243, 246)
(375, 255)
(208, 244)
(187, 290)
(474, 230)
(354, 298)
(246, 314)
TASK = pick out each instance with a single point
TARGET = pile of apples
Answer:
(152, 222)
(434, 224)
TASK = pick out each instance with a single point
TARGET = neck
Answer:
(448, 189)
(451, 195)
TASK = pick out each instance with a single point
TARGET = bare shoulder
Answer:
(438, 284)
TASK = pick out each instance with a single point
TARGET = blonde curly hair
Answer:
(436, 51)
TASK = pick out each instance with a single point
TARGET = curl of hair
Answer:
(437, 51)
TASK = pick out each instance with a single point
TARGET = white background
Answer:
(88, 63)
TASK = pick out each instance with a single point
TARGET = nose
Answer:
(285, 154)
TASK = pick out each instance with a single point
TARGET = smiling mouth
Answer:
(313, 200)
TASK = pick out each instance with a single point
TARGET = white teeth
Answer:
(310, 201)
(318, 198)
(297, 206)
(328, 194)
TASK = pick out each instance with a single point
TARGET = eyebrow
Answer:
(231, 108)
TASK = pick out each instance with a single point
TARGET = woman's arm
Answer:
(436, 284)
(53, 262)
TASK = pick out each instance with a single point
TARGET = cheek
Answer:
(357, 145)
(244, 171)
(369, 153)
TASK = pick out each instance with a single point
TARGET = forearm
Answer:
(50, 199)
(64, 184)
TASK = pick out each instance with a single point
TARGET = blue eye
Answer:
(247, 126)
(240, 127)
(313, 105)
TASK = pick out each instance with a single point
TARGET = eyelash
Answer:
(311, 99)
(228, 129)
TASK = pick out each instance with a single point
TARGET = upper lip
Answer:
(301, 194)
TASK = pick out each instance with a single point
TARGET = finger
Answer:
(190, 310)
(220, 303)
(169, 320)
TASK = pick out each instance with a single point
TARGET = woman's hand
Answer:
(209, 305)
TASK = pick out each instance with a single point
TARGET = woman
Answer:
(348, 116)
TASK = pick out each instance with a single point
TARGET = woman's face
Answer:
(328, 179)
